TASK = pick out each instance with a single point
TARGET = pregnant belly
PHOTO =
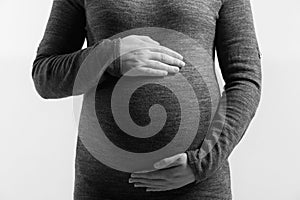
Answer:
(132, 122)
(128, 124)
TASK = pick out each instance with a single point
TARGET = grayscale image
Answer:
(150, 100)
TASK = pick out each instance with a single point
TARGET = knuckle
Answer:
(155, 64)
(144, 54)
(146, 51)
(162, 57)
(162, 49)
(163, 67)
(137, 54)
(177, 62)
(172, 68)
(148, 70)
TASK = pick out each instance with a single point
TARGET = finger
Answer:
(148, 39)
(148, 186)
(144, 171)
(148, 182)
(148, 175)
(165, 58)
(161, 66)
(171, 165)
(164, 174)
(166, 50)
(157, 189)
(144, 71)
(167, 161)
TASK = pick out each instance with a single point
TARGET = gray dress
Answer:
(192, 116)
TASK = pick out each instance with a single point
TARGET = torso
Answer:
(196, 21)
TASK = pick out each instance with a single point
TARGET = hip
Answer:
(94, 180)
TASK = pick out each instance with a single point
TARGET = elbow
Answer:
(39, 79)
(259, 84)
(40, 88)
(41, 91)
(256, 94)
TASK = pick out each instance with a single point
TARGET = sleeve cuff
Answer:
(114, 68)
(193, 162)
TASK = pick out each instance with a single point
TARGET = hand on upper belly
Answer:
(143, 56)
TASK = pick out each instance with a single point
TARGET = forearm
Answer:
(55, 75)
(234, 114)
(61, 68)
(239, 60)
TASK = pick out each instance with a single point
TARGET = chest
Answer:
(108, 17)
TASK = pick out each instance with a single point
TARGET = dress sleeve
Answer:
(240, 64)
(59, 54)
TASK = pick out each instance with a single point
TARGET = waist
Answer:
(94, 179)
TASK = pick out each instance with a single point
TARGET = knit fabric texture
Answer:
(224, 26)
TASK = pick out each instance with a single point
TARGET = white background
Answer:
(37, 148)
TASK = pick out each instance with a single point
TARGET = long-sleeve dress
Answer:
(206, 124)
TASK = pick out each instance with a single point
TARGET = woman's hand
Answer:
(172, 173)
(142, 56)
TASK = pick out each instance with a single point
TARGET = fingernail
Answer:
(130, 180)
(182, 64)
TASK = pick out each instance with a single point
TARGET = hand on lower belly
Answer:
(172, 173)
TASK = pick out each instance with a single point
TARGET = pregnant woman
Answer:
(153, 123)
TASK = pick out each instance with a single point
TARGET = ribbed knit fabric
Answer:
(222, 25)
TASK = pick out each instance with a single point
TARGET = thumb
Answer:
(174, 160)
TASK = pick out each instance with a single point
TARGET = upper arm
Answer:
(65, 30)
(236, 44)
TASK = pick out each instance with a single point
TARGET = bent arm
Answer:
(240, 64)
(60, 58)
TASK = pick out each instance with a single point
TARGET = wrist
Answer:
(114, 68)
(192, 162)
